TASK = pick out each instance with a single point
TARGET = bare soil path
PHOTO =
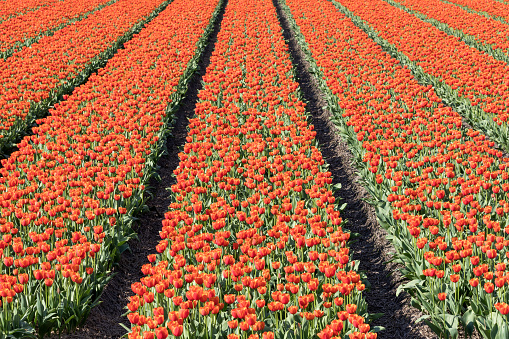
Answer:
(104, 320)
(372, 248)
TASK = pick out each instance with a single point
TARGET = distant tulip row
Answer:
(466, 78)
(478, 31)
(252, 246)
(440, 190)
(68, 194)
(35, 78)
(13, 8)
(493, 8)
(24, 30)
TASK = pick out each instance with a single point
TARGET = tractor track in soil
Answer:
(372, 248)
(104, 320)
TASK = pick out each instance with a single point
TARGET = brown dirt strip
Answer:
(372, 248)
(104, 320)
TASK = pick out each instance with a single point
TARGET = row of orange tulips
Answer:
(67, 196)
(23, 31)
(253, 245)
(478, 31)
(467, 79)
(440, 190)
(13, 8)
(498, 9)
(35, 78)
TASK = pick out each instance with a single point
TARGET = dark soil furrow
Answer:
(372, 248)
(104, 320)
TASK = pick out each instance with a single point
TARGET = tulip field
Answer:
(253, 243)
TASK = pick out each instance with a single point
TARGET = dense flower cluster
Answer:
(441, 190)
(469, 73)
(68, 194)
(24, 30)
(485, 30)
(32, 79)
(13, 8)
(252, 245)
(497, 9)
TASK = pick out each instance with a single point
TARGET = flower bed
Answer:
(494, 8)
(440, 190)
(13, 8)
(483, 33)
(253, 244)
(24, 30)
(34, 79)
(470, 81)
(68, 195)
